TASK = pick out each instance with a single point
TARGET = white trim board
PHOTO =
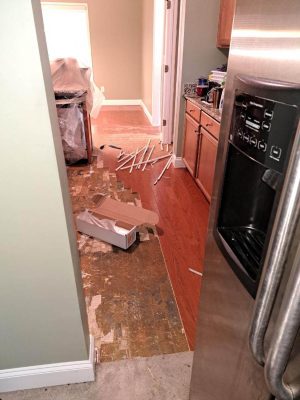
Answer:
(122, 102)
(170, 52)
(49, 374)
(178, 87)
(147, 112)
(178, 162)
(130, 102)
(157, 61)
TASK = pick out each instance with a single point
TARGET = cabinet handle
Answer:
(196, 131)
(210, 124)
(192, 110)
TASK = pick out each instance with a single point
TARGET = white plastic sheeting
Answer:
(73, 88)
(68, 78)
(70, 120)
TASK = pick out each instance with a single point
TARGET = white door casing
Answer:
(169, 67)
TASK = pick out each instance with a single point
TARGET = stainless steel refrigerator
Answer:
(248, 341)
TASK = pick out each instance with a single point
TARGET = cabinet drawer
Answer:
(193, 110)
(210, 124)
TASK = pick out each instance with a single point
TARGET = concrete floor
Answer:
(164, 377)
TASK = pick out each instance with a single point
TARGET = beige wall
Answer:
(147, 52)
(200, 54)
(116, 40)
(121, 41)
(42, 309)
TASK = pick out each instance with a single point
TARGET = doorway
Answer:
(134, 62)
(67, 32)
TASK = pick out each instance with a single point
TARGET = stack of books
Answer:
(217, 77)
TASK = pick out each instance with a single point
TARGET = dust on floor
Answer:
(155, 378)
(131, 307)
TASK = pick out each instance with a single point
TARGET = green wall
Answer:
(42, 310)
(200, 54)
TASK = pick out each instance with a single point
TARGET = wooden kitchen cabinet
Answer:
(207, 155)
(201, 144)
(227, 8)
(191, 140)
(193, 111)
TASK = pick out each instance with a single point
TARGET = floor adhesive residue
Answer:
(131, 308)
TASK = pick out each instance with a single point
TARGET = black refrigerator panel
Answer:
(260, 140)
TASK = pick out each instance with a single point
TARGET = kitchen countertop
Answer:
(213, 112)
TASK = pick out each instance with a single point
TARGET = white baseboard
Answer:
(49, 374)
(178, 162)
(146, 111)
(130, 102)
(123, 102)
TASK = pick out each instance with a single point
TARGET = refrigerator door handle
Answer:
(286, 329)
(282, 233)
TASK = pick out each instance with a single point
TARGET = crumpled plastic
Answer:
(70, 120)
(102, 223)
(72, 86)
(69, 79)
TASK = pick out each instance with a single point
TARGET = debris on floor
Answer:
(143, 156)
(131, 307)
(114, 222)
(195, 272)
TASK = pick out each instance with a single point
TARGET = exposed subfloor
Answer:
(182, 208)
(131, 307)
(155, 378)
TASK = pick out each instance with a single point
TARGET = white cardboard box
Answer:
(114, 222)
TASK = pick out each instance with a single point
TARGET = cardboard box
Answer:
(114, 222)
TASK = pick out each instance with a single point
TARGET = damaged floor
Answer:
(131, 307)
(182, 208)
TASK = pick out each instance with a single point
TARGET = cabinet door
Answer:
(191, 140)
(206, 162)
(227, 8)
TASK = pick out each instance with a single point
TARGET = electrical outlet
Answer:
(102, 88)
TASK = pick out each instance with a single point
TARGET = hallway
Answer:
(183, 210)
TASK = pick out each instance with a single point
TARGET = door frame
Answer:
(178, 85)
(157, 62)
(169, 60)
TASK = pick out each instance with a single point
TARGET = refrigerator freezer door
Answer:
(280, 243)
(223, 367)
(281, 359)
(265, 43)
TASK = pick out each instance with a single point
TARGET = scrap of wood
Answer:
(164, 169)
(154, 160)
(120, 154)
(130, 158)
(125, 162)
(125, 155)
(143, 155)
(133, 161)
(148, 158)
(150, 161)
(195, 272)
